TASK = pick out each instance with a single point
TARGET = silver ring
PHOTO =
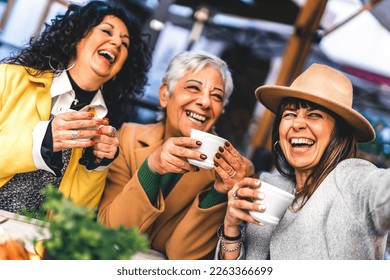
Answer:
(74, 134)
(235, 193)
(234, 173)
(114, 132)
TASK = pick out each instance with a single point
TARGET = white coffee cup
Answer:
(276, 202)
(209, 147)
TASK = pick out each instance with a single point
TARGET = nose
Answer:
(116, 41)
(203, 100)
(299, 123)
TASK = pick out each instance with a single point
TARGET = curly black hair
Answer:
(55, 47)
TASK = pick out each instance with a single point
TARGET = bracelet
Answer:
(222, 236)
(231, 250)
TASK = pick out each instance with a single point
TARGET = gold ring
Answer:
(74, 134)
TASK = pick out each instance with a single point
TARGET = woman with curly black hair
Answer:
(57, 99)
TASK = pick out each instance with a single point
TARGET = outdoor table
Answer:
(17, 226)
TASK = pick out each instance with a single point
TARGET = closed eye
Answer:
(217, 96)
(193, 88)
(289, 114)
(107, 31)
(125, 44)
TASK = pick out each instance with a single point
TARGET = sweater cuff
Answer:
(212, 198)
(149, 180)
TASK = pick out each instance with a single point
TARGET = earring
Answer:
(57, 70)
(275, 146)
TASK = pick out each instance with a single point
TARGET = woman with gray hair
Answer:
(152, 185)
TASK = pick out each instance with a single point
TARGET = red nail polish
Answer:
(221, 149)
(216, 164)
(218, 156)
(203, 156)
(227, 144)
(99, 122)
(99, 131)
(198, 143)
(92, 143)
(91, 115)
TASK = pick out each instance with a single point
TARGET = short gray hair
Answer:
(196, 61)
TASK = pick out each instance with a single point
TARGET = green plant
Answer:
(76, 235)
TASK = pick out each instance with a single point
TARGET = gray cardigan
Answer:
(348, 217)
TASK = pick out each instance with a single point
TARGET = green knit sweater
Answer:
(152, 182)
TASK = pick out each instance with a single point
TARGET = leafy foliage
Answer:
(76, 235)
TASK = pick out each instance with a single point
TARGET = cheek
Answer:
(217, 109)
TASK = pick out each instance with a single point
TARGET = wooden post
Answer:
(6, 13)
(296, 52)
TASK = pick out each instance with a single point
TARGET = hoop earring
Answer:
(275, 146)
(57, 70)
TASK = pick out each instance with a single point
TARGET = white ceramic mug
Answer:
(209, 147)
(276, 201)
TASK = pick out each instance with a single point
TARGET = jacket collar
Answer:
(63, 95)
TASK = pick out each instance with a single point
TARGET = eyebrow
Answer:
(113, 27)
(199, 82)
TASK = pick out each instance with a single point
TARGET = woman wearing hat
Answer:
(341, 208)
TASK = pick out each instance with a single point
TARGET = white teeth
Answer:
(109, 55)
(300, 141)
(195, 116)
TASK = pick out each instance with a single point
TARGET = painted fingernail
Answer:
(221, 149)
(260, 196)
(216, 164)
(218, 156)
(92, 143)
(91, 115)
(261, 207)
(99, 131)
(99, 122)
(198, 143)
(203, 156)
(227, 144)
(197, 168)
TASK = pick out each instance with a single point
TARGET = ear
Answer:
(163, 95)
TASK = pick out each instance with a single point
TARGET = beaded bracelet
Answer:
(230, 250)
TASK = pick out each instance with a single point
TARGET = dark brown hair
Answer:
(342, 145)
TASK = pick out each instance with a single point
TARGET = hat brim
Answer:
(271, 96)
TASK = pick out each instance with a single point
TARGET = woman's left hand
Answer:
(106, 144)
(229, 166)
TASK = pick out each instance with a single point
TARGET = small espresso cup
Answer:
(276, 201)
(209, 147)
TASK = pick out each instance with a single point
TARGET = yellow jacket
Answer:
(25, 100)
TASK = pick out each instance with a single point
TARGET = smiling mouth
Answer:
(196, 117)
(108, 55)
(301, 143)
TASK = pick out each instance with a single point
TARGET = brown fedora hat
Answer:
(325, 86)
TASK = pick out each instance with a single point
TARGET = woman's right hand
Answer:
(173, 155)
(240, 201)
(68, 127)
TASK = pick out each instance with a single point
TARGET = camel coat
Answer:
(176, 226)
